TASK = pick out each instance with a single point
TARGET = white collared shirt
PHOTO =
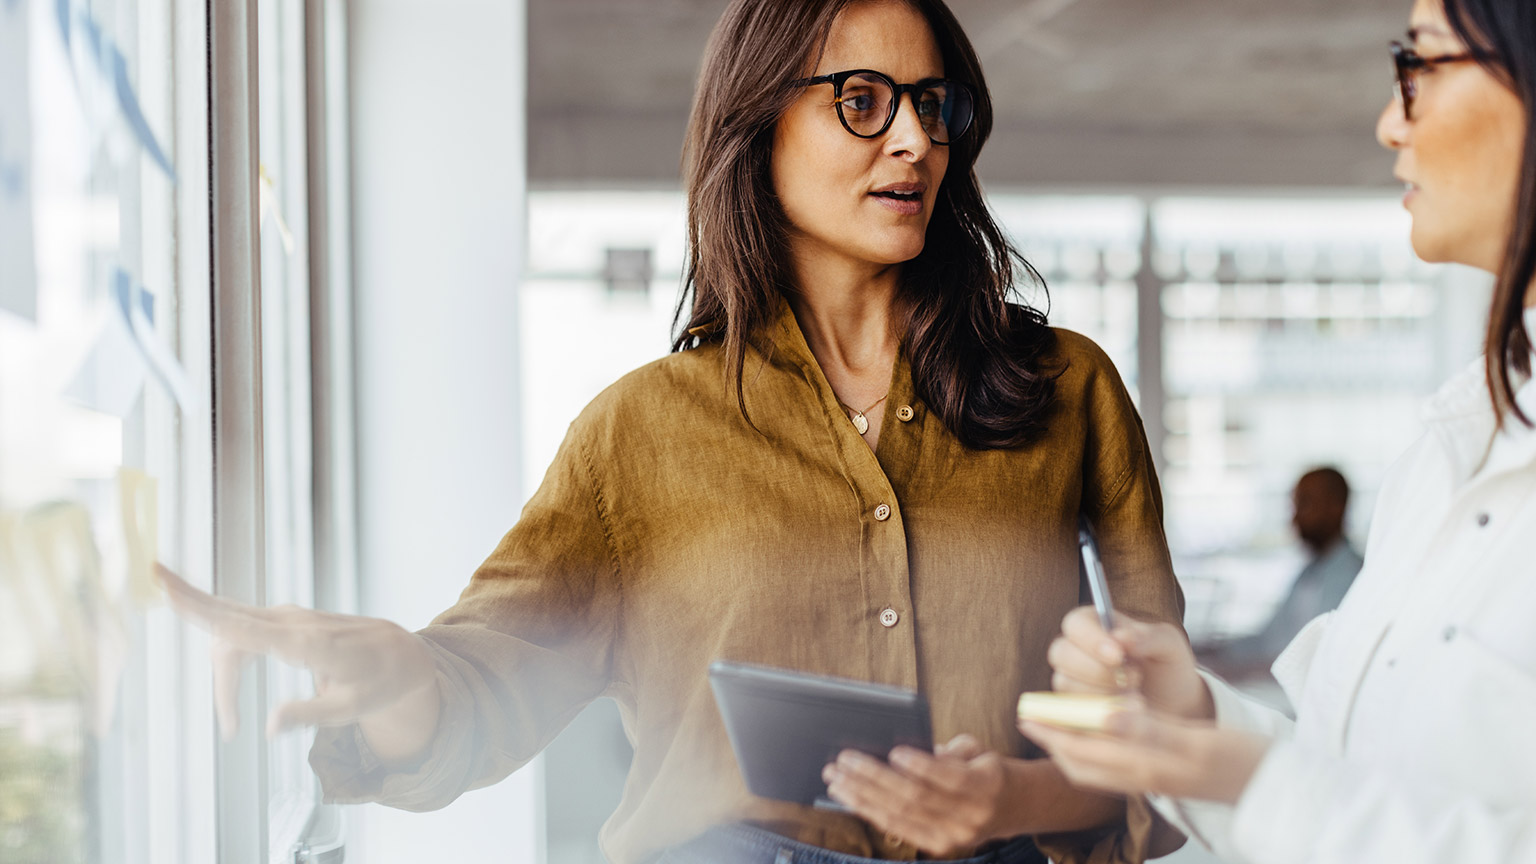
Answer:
(1415, 738)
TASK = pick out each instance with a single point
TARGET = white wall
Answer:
(438, 207)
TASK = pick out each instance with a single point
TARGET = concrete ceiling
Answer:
(1089, 93)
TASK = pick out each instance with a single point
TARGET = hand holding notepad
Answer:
(1103, 658)
(1088, 711)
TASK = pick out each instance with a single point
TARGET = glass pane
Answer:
(287, 428)
(1297, 333)
(90, 762)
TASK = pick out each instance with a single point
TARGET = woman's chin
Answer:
(899, 250)
(1427, 244)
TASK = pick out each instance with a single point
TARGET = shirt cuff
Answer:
(351, 773)
(1282, 809)
(1211, 823)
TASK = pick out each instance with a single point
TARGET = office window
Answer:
(1297, 333)
(136, 192)
(103, 748)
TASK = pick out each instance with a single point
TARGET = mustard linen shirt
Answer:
(669, 534)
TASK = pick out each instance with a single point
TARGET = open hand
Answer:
(943, 802)
(362, 666)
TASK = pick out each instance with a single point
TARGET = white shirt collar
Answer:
(1461, 416)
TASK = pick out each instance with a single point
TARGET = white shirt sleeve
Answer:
(1209, 823)
(1305, 806)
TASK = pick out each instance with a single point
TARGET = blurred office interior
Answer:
(398, 245)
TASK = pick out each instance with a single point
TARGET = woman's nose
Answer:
(1392, 126)
(907, 134)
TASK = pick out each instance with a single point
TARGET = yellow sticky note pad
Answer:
(1087, 712)
(139, 505)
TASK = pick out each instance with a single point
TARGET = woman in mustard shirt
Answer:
(861, 460)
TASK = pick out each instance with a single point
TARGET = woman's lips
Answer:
(903, 206)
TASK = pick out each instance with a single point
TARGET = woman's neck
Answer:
(847, 314)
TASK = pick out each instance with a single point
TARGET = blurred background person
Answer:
(1320, 501)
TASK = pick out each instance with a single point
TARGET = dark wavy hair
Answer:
(1505, 31)
(979, 361)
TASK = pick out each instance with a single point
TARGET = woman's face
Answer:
(1460, 154)
(840, 192)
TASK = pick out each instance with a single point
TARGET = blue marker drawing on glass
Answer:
(161, 363)
(111, 64)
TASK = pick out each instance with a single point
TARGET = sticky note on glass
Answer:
(138, 500)
(1088, 712)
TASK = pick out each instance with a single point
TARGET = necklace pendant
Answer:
(861, 423)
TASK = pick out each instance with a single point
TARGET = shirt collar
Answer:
(1461, 417)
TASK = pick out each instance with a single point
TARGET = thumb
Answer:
(228, 662)
(327, 709)
(1150, 641)
(961, 747)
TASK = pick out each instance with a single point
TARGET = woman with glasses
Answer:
(861, 460)
(1415, 700)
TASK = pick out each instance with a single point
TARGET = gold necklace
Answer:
(860, 422)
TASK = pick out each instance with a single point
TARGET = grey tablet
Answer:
(786, 726)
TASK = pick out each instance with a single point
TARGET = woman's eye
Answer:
(859, 102)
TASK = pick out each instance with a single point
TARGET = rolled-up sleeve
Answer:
(530, 642)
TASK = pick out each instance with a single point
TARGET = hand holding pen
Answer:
(1103, 651)
(1157, 735)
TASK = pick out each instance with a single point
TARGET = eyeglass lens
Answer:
(867, 107)
(1405, 71)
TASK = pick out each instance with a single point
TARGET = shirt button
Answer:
(905, 413)
(882, 513)
(1482, 520)
(1449, 634)
(888, 617)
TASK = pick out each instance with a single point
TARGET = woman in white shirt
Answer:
(1416, 700)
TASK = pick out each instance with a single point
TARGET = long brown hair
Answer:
(979, 361)
(1506, 31)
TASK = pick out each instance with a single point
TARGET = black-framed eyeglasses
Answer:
(1409, 64)
(867, 102)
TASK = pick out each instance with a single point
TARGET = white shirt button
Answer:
(882, 513)
(888, 617)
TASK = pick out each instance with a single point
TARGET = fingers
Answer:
(1137, 753)
(1091, 761)
(1081, 627)
(228, 662)
(881, 796)
(869, 779)
(950, 775)
(284, 631)
(1076, 671)
(250, 627)
(327, 709)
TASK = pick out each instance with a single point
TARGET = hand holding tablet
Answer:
(786, 726)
